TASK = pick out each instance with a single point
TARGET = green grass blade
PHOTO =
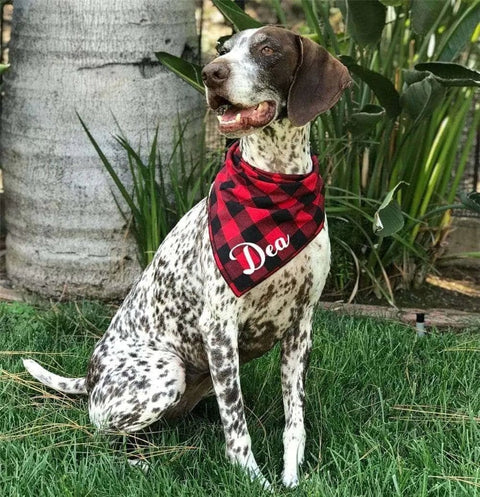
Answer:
(127, 197)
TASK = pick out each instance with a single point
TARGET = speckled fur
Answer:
(181, 334)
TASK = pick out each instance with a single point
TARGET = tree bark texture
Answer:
(65, 233)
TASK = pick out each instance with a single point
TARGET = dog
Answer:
(182, 333)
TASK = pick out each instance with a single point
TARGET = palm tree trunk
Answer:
(65, 233)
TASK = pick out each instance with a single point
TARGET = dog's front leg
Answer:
(222, 351)
(295, 355)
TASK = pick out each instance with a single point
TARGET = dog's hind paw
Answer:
(140, 464)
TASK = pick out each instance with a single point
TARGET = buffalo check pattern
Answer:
(258, 221)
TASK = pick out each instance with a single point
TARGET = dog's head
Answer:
(271, 73)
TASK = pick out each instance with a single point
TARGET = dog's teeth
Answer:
(238, 117)
(219, 117)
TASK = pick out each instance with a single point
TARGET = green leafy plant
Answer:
(415, 140)
(400, 125)
(160, 193)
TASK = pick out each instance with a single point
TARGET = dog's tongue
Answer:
(232, 112)
(238, 118)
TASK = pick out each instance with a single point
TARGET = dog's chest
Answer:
(267, 312)
(277, 305)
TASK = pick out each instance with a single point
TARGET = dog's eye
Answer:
(267, 50)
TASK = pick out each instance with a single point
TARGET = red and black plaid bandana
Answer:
(259, 220)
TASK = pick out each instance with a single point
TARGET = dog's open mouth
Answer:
(233, 118)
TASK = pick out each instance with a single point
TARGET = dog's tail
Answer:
(59, 383)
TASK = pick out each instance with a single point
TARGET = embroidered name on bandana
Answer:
(258, 221)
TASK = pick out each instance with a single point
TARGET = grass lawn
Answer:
(387, 414)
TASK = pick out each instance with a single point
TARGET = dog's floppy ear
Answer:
(318, 83)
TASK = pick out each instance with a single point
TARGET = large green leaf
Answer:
(411, 76)
(365, 19)
(451, 74)
(424, 13)
(366, 119)
(189, 72)
(382, 87)
(458, 35)
(388, 219)
(420, 98)
(236, 16)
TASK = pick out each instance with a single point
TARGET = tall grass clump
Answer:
(161, 193)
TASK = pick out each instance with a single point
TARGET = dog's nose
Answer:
(215, 74)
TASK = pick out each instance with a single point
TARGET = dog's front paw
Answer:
(256, 475)
(251, 467)
(290, 479)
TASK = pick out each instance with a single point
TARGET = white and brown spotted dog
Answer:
(181, 332)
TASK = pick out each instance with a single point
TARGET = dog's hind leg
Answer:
(130, 393)
(198, 387)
